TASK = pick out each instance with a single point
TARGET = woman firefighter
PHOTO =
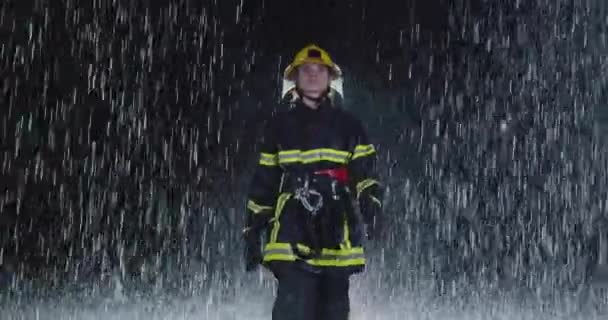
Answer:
(316, 167)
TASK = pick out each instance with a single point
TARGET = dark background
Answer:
(130, 128)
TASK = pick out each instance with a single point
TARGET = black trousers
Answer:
(303, 295)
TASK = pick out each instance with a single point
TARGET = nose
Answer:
(312, 71)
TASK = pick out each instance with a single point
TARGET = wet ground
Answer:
(251, 298)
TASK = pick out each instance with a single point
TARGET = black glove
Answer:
(371, 210)
(253, 249)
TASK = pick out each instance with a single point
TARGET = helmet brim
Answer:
(290, 71)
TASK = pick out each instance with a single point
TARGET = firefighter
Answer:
(314, 195)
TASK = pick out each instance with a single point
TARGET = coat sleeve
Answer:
(364, 175)
(264, 186)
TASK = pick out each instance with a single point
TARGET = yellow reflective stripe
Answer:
(268, 159)
(321, 262)
(256, 208)
(314, 155)
(279, 257)
(342, 252)
(274, 251)
(337, 262)
(361, 186)
(277, 245)
(283, 247)
(290, 152)
(346, 244)
(274, 234)
(337, 153)
(363, 150)
(328, 257)
(376, 200)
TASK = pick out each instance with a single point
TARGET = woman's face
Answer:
(313, 79)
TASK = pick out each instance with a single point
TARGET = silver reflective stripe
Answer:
(287, 157)
(314, 155)
(342, 257)
(279, 251)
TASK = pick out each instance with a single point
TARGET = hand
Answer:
(253, 250)
(372, 211)
(252, 259)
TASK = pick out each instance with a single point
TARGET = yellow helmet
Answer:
(312, 54)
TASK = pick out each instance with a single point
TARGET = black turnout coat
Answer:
(315, 168)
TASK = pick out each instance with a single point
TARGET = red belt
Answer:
(340, 174)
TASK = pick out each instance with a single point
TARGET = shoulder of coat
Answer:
(349, 118)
